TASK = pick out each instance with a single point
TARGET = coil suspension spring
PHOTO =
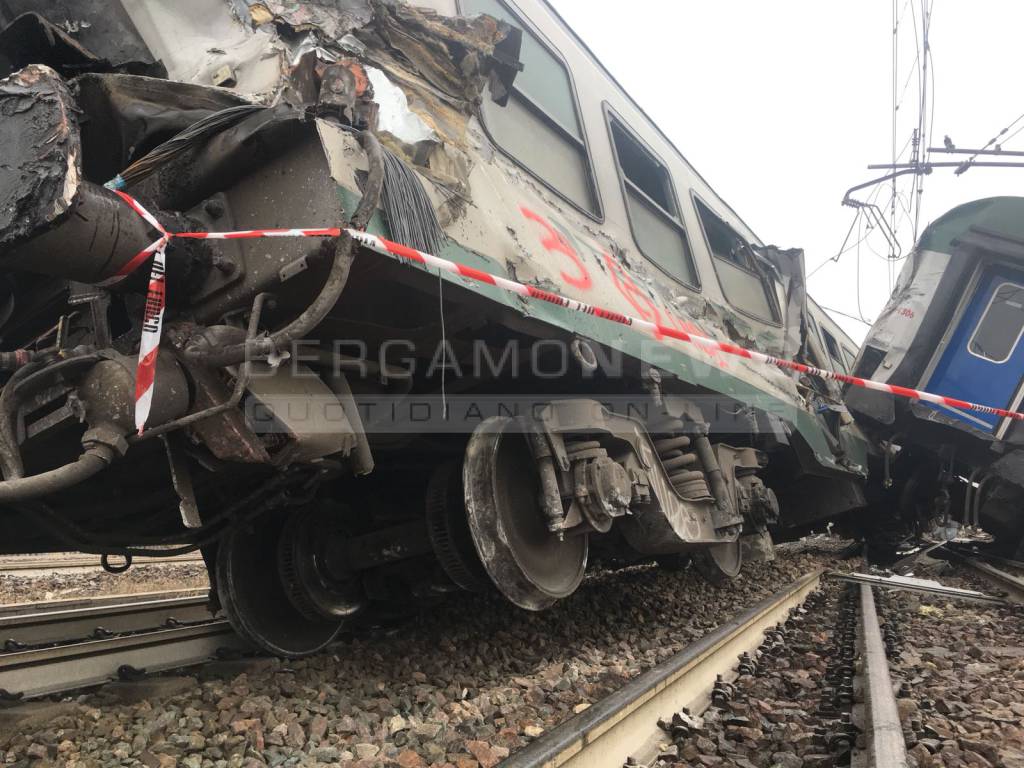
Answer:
(683, 467)
(580, 452)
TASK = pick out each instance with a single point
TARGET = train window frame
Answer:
(529, 28)
(611, 117)
(815, 327)
(849, 355)
(981, 321)
(837, 356)
(770, 290)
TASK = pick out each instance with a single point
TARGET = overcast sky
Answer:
(781, 105)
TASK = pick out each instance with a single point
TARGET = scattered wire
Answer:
(197, 132)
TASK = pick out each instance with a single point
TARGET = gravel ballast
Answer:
(40, 585)
(462, 685)
(962, 667)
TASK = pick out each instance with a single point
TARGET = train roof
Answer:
(999, 216)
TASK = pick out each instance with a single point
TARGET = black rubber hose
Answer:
(374, 181)
(315, 313)
(93, 461)
(23, 382)
(10, 456)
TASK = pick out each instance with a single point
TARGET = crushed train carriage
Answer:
(952, 325)
(482, 132)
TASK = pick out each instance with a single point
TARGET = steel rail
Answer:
(624, 724)
(1006, 562)
(48, 625)
(62, 668)
(885, 747)
(1012, 585)
(9, 563)
(12, 609)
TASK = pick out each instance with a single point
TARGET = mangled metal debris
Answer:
(913, 584)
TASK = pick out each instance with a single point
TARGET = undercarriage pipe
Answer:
(91, 462)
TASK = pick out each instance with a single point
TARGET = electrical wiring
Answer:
(181, 142)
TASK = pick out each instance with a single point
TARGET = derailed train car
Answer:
(335, 427)
(953, 325)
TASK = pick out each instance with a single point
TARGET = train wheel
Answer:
(527, 563)
(719, 563)
(256, 599)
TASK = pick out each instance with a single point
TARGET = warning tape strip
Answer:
(156, 302)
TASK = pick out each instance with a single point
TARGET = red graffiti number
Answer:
(553, 240)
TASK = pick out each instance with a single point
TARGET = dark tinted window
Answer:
(539, 126)
(833, 349)
(651, 204)
(1000, 327)
(869, 361)
(642, 171)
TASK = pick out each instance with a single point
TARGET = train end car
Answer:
(374, 303)
(952, 326)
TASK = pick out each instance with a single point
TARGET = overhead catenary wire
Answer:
(897, 211)
(990, 143)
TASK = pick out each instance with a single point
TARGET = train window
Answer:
(651, 206)
(870, 359)
(833, 349)
(743, 280)
(540, 126)
(1001, 325)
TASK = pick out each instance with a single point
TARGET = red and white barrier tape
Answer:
(155, 303)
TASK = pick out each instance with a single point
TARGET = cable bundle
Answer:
(188, 138)
(410, 214)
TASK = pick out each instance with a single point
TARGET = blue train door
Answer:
(984, 360)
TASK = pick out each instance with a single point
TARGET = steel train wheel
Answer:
(316, 589)
(527, 563)
(719, 563)
(256, 600)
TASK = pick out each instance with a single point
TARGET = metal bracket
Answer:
(181, 478)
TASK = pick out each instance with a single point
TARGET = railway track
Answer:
(624, 727)
(75, 644)
(1002, 578)
(63, 562)
(632, 726)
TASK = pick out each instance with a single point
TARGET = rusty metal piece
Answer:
(226, 434)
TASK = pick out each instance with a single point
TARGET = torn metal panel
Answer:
(74, 36)
(333, 19)
(394, 116)
(39, 132)
(196, 45)
(130, 114)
